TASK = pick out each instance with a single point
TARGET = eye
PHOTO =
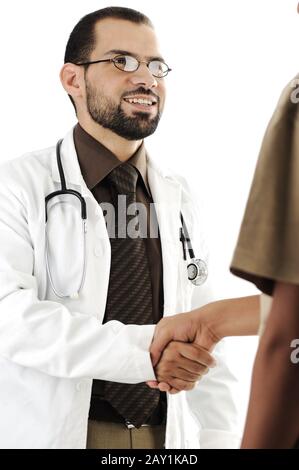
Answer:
(158, 68)
(126, 63)
(120, 60)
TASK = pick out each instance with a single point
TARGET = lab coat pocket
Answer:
(65, 245)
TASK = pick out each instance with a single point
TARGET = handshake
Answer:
(181, 351)
(182, 344)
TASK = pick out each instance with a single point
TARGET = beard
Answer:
(111, 116)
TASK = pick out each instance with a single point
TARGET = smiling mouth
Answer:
(141, 103)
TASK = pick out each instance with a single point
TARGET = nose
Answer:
(143, 76)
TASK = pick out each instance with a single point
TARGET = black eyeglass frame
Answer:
(113, 59)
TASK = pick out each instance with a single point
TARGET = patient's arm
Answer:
(273, 414)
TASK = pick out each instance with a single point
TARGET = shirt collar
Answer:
(96, 161)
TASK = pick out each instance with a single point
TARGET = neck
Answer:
(122, 148)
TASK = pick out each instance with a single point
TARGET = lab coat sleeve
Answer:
(212, 402)
(45, 335)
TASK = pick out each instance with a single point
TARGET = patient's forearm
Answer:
(232, 317)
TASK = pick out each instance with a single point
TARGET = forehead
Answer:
(113, 33)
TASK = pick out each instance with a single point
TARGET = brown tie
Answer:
(129, 299)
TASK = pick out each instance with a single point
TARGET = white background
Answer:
(230, 61)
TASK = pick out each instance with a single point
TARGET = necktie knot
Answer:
(124, 178)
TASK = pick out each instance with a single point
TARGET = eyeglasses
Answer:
(128, 63)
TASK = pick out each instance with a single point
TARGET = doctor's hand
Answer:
(181, 366)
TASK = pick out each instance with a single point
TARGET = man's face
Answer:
(108, 89)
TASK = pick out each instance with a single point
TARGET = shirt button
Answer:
(79, 386)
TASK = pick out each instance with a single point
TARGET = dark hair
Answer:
(82, 39)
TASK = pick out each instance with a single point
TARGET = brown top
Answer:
(96, 162)
(267, 248)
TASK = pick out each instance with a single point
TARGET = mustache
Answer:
(142, 91)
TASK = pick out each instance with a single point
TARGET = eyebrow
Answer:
(120, 51)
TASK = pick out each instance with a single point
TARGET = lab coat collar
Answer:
(70, 164)
(72, 169)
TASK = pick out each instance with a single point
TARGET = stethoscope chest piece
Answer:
(197, 272)
(197, 269)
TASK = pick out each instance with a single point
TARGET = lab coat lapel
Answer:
(166, 194)
(70, 165)
(97, 240)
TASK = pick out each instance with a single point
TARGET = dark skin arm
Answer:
(273, 413)
(204, 327)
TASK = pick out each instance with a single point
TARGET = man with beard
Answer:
(79, 356)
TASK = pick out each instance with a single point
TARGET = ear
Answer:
(71, 79)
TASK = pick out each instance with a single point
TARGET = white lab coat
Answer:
(52, 348)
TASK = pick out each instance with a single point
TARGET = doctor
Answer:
(79, 304)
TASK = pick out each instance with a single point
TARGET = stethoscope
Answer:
(196, 269)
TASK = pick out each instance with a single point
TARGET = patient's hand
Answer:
(181, 366)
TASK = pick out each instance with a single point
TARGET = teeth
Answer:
(139, 101)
